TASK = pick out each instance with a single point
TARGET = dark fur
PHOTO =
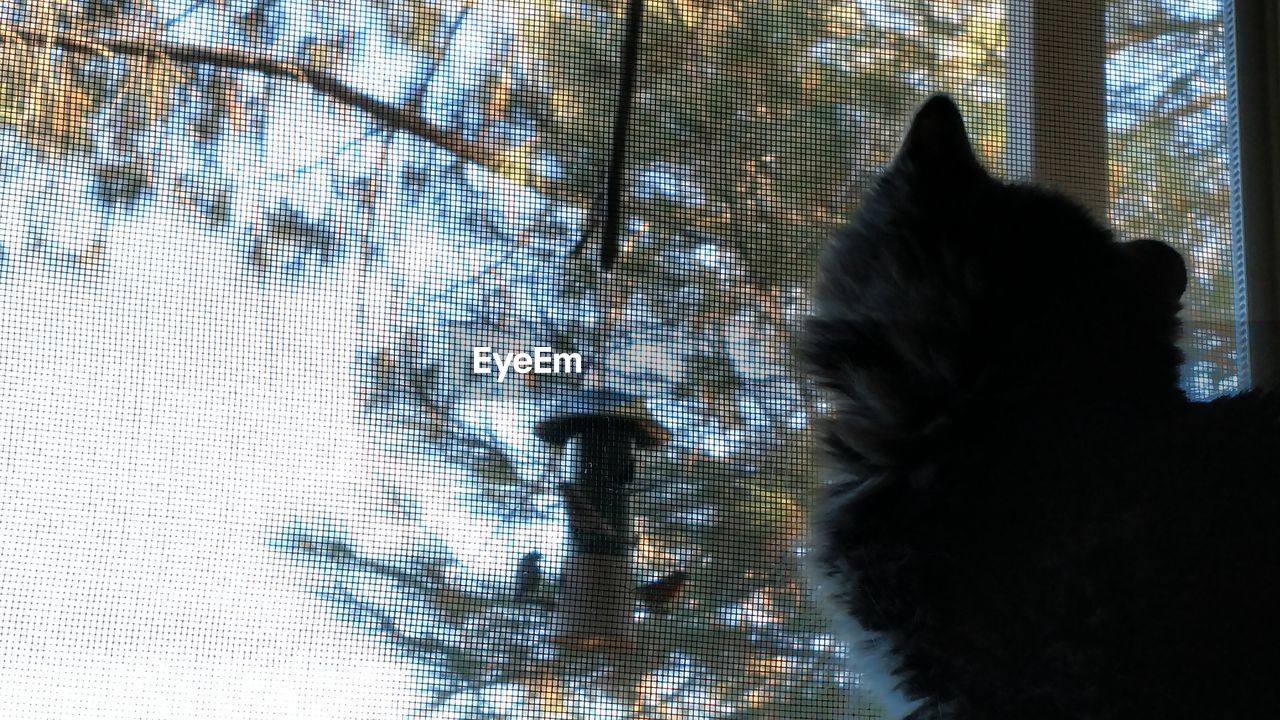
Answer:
(1021, 503)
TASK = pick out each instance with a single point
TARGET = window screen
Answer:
(1169, 158)
(267, 270)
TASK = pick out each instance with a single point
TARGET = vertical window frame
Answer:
(1252, 30)
(1057, 97)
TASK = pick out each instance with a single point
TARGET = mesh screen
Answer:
(257, 255)
(1169, 161)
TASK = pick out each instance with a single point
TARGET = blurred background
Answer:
(247, 247)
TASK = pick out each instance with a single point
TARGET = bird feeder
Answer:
(603, 429)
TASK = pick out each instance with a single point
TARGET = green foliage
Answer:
(777, 112)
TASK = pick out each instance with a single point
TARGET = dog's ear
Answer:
(1158, 265)
(937, 138)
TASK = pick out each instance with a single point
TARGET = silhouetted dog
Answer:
(1025, 517)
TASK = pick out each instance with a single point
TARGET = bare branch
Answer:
(1126, 37)
(1174, 113)
(394, 117)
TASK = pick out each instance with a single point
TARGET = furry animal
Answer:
(1024, 516)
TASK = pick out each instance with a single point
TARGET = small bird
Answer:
(528, 576)
(658, 596)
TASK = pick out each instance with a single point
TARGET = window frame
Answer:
(1057, 97)
(1252, 29)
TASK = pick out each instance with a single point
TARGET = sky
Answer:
(158, 426)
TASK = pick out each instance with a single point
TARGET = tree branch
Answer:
(1163, 113)
(394, 117)
(1137, 34)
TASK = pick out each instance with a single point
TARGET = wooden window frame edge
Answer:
(1252, 46)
